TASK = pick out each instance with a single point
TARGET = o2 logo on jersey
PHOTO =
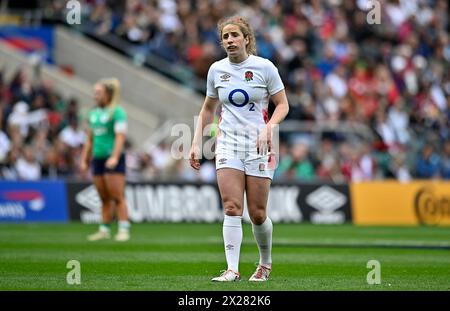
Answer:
(245, 99)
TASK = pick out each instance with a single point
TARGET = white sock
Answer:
(232, 238)
(104, 227)
(263, 237)
(124, 225)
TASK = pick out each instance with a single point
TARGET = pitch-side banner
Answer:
(394, 203)
(41, 201)
(199, 202)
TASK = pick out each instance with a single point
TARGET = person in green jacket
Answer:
(104, 150)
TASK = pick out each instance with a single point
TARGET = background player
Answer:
(106, 139)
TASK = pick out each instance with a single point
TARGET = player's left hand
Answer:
(111, 163)
(264, 141)
(194, 156)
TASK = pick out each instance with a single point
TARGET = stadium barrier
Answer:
(394, 203)
(42, 201)
(383, 203)
(200, 202)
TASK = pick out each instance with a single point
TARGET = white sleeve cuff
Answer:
(120, 127)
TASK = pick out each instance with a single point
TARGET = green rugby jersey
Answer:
(102, 122)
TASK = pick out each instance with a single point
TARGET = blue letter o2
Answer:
(246, 97)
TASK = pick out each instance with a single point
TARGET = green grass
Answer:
(186, 256)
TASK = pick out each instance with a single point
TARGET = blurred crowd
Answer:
(337, 67)
(40, 135)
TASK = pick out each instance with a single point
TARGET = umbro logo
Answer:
(326, 199)
(89, 199)
(222, 161)
(328, 203)
(225, 77)
(229, 247)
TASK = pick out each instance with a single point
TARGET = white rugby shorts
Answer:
(252, 165)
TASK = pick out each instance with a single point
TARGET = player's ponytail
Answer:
(244, 26)
(112, 88)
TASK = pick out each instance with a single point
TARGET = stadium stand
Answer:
(393, 77)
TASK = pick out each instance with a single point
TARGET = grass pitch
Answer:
(168, 257)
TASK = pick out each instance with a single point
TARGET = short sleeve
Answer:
(89, 119)
(120, 115)
(274, 83)
(120, 120)
(211, 90)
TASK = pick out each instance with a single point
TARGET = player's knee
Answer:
(118, 199)
(258, 216)
(116, 195)
(232, 208)
(104, 198)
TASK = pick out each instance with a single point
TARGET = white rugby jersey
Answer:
(244, 90)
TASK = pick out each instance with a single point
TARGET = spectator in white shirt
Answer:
(8, 170)
(398, 120)
(72, 135)
(399, 168)
(18, 122)
(37, 117)
(385, 129)
(27, 167)
(5, 146)
(336, 81)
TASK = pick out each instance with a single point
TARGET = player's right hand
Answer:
(83, 167)
(194, 156)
